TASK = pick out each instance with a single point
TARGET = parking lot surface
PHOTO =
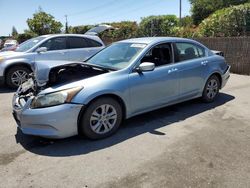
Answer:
(191, 144)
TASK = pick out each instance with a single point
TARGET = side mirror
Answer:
(41, 49)
(146, 66)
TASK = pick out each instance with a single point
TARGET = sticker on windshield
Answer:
(138, 45)
(35, 41)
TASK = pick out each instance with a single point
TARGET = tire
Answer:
(17, 75)
(101, 119)
(211, 89)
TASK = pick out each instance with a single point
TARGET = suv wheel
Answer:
(16, 76)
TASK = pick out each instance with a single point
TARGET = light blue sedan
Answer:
(127, 78)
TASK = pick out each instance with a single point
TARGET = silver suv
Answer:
(16, 66)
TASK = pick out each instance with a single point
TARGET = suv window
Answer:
(159, 55)
(77, 42)
(186, 51)
(93, 43)
(58, 43)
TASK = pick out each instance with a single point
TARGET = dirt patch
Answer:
(8, 158)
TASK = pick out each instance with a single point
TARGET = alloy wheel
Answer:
(18, 77)
(103, 119)
(212, 88)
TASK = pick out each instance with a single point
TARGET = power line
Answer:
(149, 6)
(93, 9)
(120, 9)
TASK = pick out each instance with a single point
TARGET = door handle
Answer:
(172, 70)
(204, 63)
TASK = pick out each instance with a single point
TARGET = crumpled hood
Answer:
(11, 54)
(42, 69)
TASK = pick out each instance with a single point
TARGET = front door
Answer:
(56, 50)
(155, 88)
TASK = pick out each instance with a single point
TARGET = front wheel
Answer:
(101, 119)
(211, 89)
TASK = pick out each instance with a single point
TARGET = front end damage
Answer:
(56, 120)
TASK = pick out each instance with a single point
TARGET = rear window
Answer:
(77, 42)
(93, 43)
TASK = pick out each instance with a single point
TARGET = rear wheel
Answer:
(16, 76)
(211, 89)
(101, 119)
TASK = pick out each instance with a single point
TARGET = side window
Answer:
(93, 43)
(159, 55)
(77, 42)
(186, 51)
(58, 43)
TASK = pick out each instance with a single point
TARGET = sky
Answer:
(84, 12)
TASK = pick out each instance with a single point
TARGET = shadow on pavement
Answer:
(4, 89)
(138, 125)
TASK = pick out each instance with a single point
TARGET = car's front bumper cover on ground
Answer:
(52, 122)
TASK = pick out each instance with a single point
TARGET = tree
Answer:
(43, 23)
(201, 9)
(25, 36)
(80, 29)
(14, 32)
(164, 25)
(232, 21)
(186, 21)
(123, 30)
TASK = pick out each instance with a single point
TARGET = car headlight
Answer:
(56, 98)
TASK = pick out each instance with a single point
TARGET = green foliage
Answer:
(163, 25)
(14, 32)
(123, 30)
(188, 32)
(25, 36)
(187, 21)
(232, 21)
(201, 9)
(80, 29)
(43, 23)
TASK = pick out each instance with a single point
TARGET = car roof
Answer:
(72, 35)
(149, 40)
(94, 37)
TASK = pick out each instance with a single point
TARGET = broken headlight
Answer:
(56, 98)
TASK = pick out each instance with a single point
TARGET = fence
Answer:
(236, 50)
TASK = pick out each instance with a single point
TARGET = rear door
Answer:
(191, 61)
(56, 50)
(81, 48)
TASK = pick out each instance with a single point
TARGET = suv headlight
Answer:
(53, 99)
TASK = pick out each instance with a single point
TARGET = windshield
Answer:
(117, 56)
(29, 44)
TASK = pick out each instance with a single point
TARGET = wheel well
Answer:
(16, 65)
(218, 76)
(117, 98)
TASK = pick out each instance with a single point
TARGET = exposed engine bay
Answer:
(60, 75)
(70, 73)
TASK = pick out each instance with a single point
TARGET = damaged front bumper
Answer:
(51, 122)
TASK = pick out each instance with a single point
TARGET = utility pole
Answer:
(180, 13)
(66, 24)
